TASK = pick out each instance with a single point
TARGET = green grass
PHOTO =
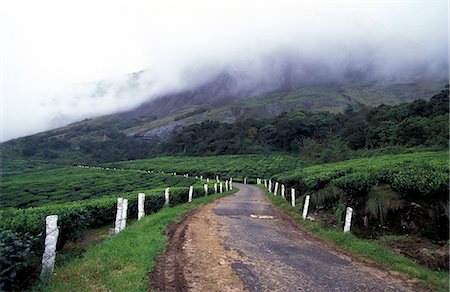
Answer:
(121, 263)
(369, 251)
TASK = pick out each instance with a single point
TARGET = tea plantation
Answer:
(75, 183)
(236, 166)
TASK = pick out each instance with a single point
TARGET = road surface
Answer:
(242, 243)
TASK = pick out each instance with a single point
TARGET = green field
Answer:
(74, 183)
(236, 166)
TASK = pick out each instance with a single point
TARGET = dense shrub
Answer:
(22, 230)
(355, 184)
(413, 180)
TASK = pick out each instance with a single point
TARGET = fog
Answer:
(66, 61)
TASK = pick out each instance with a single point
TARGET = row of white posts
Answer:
(269, 184)
(52, 231)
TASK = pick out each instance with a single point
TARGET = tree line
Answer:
(324, 136)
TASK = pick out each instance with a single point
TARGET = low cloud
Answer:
(62, 63)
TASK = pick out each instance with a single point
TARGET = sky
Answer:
(64, 61)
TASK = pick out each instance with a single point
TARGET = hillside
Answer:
(214, 102)
(119, 137)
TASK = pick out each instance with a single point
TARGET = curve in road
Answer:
(241, 242)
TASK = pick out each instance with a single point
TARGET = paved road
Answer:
(241, 242)
(278, 256)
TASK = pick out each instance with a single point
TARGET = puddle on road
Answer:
(261, 216)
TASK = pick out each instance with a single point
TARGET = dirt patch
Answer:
(195, 259)
(424, 252)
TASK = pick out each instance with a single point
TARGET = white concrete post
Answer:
(305, 207)
(118, 215)
(205, 186)
(215, 188)
(231, 184)
(245, 180)
(51, 238)
(221, 187)
(201, 177)
(265, 183)
(123, 222)
(217, 178)
(292, 197)
(191, 192)
(276, 189)
(270, 186)
(167, 196)
(207, 179)
(226, 186)
(283, 190)
(348, 219)
(141, 202)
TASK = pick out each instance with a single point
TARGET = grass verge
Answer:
(121, 263)
(367, 250)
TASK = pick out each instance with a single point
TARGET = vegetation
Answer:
(74, 183)
(398, 192)
(119, 263)
(320, 137)
(369, 251)
(316, 136)
(22, 230)
(404, 193)
(236, 166)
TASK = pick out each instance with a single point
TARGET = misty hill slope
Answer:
(207, 103)
(124, 132)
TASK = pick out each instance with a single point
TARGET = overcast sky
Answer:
(52, 51)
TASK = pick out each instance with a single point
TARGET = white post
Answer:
(221, 187)
(141, 202)
(207, 180)
(276, 189)
(348, 219)
(205, 186)
(292, 197)
(51, 238)
(166, 196)
(123, 222)
(191, 192)
(231, 184)
(305, 207)
(245, 180)
(265, 183)
(201, 177)
(226, 186)
(283, 190)
(118, 215)
(270, 186)
(215, 188)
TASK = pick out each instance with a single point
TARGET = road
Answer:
(242, 243)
